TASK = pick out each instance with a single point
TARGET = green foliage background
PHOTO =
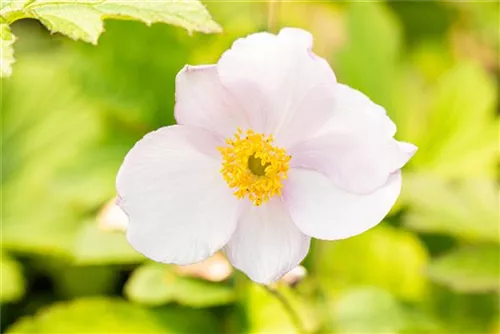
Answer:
(70, 112)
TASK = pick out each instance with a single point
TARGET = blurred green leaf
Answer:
(438, 19)
(266, 314)
(7, 39)
(369, 59)
(12, 280)
(135, 87)
(469, 269)
(368, 310)
(372, 310)
(459, 136)
(157, 284)
(462, 312)
(467, 210)
(383, 256)
(77, 281)
(50, 128)
(102, 315)
(94, 246)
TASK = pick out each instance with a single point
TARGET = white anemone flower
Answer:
(268, 152)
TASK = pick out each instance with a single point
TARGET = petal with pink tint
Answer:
(266, 244)
(272, 76)
(352, 162)
(353, 111)
(355, 149)
(180, 209)
(202, 101)
(322, 210)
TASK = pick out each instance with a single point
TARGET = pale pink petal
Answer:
(356, 149)
(282, 85)
(266, 244)
(408, 148)
(202, 101)
(352, 162)
(355, 112)
(296, 37)
(179, 207)
(324, 211)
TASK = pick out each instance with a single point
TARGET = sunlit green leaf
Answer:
(101, 315)
(7, 39)
(94, 246)
(12, 280)
(467, 209)
(470, 269)
(157, 284)
(190, 15)
(83, 19)
(384, 257)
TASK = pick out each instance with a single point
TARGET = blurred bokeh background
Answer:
(71, 111)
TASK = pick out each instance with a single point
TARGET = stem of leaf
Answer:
(297, 322)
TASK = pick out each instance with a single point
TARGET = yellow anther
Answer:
(253, 166)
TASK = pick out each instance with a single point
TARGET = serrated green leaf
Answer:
(12, 279)
(469, 269)
(156, 284)
(79, 22)
(94, 246)
(83, 20)
(12, 5)
(467, 209)
(386, 257)
(102, 315)
(7, 39)
(190, 15)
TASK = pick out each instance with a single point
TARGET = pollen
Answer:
(253, 166)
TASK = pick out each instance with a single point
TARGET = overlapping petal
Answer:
(285, 89)
(267, 244)
(202, 101)
(356, 148)
(344, 172)
(180, 209)
(322, 210)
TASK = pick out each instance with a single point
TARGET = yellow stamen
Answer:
(253, 166)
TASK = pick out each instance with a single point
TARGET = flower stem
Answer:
(299, 326)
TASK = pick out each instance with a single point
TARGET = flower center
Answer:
(256, 166)
(253, 166)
